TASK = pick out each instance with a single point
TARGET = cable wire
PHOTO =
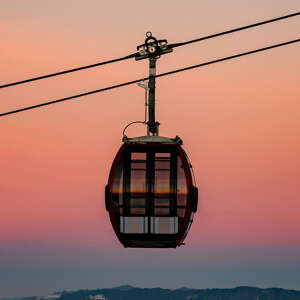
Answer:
(69, 71)
(131, 123)
(227, 58)
(139, 122)
(234, 30)
(146, 78)
(136, 54)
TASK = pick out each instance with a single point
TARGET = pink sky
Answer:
(239, 120)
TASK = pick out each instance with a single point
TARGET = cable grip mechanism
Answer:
(153, 47)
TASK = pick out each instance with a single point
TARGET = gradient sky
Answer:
(239, 120)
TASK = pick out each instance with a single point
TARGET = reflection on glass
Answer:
(181, 190)
(137, 206)
(138, 184)
(162, 184)
(181, 199)
(162, 173)
(180, 212)
(151, 191)
(117, 188)
(164, 200)
(137, 211)
(161, 211)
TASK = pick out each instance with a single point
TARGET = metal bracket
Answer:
(152, 47)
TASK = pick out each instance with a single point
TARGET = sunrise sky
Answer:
(239, 120)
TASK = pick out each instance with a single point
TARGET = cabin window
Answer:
(150, 192)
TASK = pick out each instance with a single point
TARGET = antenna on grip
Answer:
(152, 49)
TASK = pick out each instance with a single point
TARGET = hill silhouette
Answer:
(127, 292)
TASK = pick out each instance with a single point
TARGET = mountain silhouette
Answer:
(127, 292)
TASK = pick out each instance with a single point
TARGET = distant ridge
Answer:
(124, 288)
(184, 289)
(128, 292)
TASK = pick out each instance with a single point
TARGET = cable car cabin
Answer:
(150, 194)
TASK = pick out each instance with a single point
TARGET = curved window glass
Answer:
(150, 191)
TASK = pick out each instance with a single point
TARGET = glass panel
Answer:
(117, 188)
(121, 189)
(163, 200)
(181, 180)
(161, 211)
(181, 199)
(138, 173)
(138, 183)
(164, 225)
(138, 156)
(180, 212)
(118, 180)
(162, 184)
(137, 211)
(137, 202)
(137, 206)
(181, 190)
(162, 174)
(162, 154)
(133, 224)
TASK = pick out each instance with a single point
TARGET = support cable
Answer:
(134, 55)
(234, 30)
(146, 78)
(228, 58)
(69, 71)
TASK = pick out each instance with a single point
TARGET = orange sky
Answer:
(239, 120)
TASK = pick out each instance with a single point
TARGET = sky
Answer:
(239, 121)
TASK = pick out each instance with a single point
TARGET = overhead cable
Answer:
(227, 58)
(136, 54)
(146, 78)
(69, 71)
(233, 30)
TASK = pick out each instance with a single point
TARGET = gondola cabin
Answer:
(150, 195)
